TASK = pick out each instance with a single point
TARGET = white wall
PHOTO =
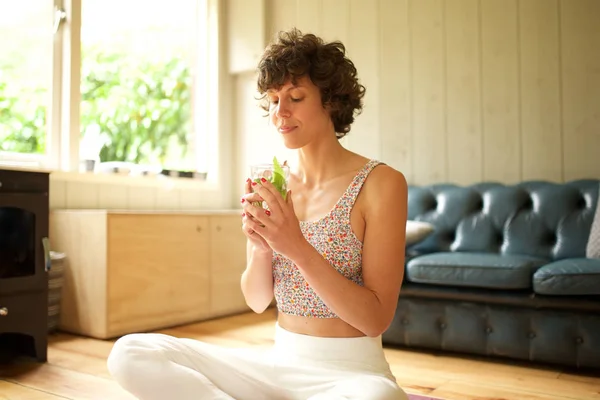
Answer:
(457, 90)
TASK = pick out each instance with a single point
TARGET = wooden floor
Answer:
(76, 369)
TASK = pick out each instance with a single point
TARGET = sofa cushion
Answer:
(593, 244)
(575, 276)
(485, 270)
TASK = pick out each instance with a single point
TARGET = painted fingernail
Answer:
(248, 180)
(243, 214)
(263, 180)
(267, 212)
(253, 183)
(243, 200)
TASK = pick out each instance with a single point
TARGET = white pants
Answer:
(155, 366)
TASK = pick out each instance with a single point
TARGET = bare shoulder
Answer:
(385, 184)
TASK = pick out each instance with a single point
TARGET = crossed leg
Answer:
(155, 366)
(306, 380)
(362, 388)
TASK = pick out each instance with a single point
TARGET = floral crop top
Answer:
(333, 237)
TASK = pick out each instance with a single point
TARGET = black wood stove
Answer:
(24, 262)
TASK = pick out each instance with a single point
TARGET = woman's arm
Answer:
(369, 308)
(257, 279)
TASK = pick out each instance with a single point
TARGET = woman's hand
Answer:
(248, 221)
(278, 225)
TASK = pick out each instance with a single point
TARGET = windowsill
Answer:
(160, 181)
(26, 168)
(138, 181)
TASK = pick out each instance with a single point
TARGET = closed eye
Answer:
(293, 99)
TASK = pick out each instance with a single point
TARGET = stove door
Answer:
(23, 242)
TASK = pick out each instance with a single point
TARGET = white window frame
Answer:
(63, 127)
(49, 160)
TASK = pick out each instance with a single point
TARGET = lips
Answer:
(286, 128)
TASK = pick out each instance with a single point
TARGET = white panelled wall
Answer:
(457, 90)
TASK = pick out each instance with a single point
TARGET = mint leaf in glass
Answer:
(278, 178)
(274, 173)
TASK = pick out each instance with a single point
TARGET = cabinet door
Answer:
(158, 271)
(227, 263)
(23, 226)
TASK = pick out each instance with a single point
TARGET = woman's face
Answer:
(297, 113)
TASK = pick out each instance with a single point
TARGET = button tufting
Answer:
(531, 335)
(479, 204)
(433, 203)
(579, 340)
(499, 238)
(581, 203)
(489, 330)
(404, 321)
(443, 325)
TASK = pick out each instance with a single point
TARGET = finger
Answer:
(258, 214)
(248, 186)
(251, 198)
(247, 217)
(249, 194)
(254, 236)
(257, 239)
(250, 234)
(255, 210)
(271, 196)
(252, 225)
(245, 226)
(247, 231)
(272, 188)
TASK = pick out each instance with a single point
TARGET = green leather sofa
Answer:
(504, 274)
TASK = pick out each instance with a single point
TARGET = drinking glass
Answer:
(269, 172)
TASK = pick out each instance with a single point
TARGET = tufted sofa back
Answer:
(537, 218)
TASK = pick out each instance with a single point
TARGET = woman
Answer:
(331, 252)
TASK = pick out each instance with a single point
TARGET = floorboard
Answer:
(76, 368)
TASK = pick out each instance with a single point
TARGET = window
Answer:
(129, 84)
(25, 80)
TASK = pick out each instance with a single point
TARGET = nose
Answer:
(283, 110)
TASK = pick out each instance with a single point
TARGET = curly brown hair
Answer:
(293, 55)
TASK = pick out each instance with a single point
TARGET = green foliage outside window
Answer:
(140, 110)
(22, 120)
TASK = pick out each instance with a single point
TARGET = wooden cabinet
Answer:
(139, 271)
(228, 253)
